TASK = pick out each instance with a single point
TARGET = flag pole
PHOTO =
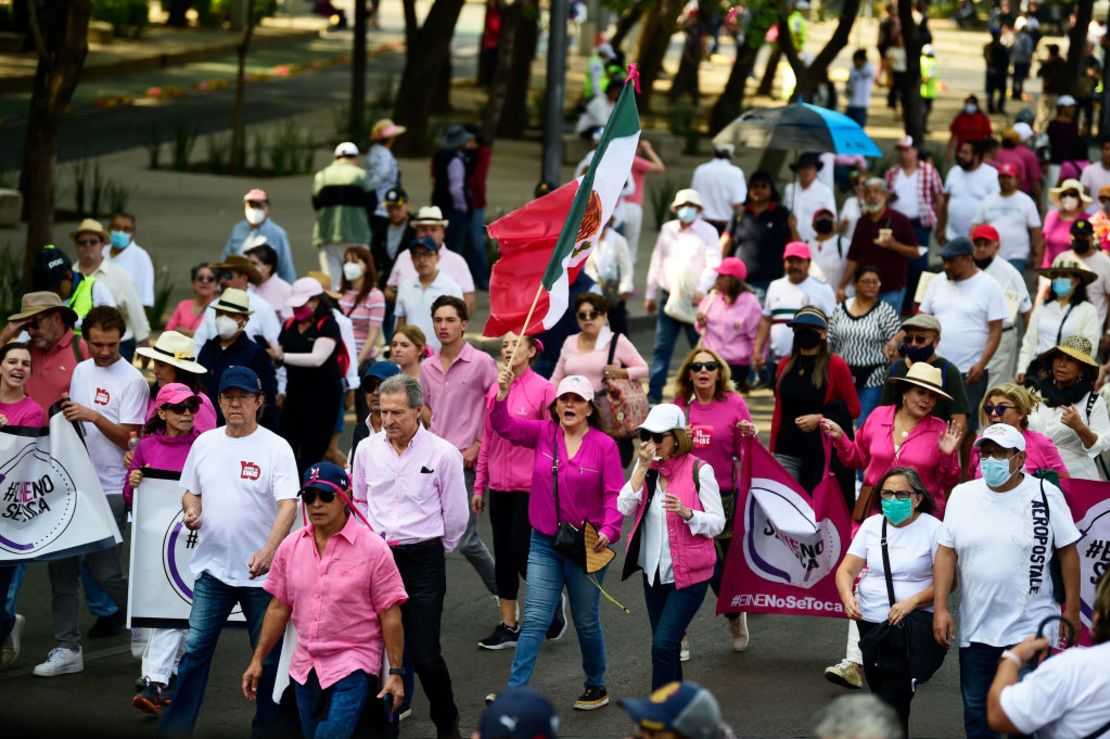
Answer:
(524, 329)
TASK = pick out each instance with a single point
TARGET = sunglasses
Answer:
(588, 315)
(309, 496)
(710, 366)
(997, 410)
(206, 278)
(228, 274)
(88, 242)
(892, 494)
(917, 340)
(646, 436)
(192, 406)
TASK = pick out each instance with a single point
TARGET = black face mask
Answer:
(967, 165)
(916, 353)
(824, 226)
(1081, 246)
(983, 263)
(807, 338)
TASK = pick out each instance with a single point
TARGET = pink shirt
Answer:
(874, 451)
(414, 496)
(714, 428)
(24, 413)
(336, 599)
(276, 292)
(1032, 167)
(729, 329)
(457, 397)
(1057, 235)
(52, 370)
(365, 315)
(1040, 454)
(640, 166)
(501, 464)
(591, 364)
(183, 317)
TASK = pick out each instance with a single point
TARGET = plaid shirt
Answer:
(929, 190)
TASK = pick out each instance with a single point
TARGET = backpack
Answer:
(341, 355)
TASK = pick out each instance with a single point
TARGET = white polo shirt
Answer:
(721, 185)
(414, 302)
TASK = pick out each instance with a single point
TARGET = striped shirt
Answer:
(929, 190)
(859, 340)
(365, 315)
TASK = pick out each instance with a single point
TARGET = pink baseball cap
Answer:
(576, 384)
(797, 249)
(257, 194)
(734, 267)
(173, 393)
(1008, 168)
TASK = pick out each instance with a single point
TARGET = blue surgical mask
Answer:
(996, 472)
(119, 239)
(897, 511)
(1062, 286)
(687, 213)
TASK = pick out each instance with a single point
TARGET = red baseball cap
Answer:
(984, 231)
(1008, 168)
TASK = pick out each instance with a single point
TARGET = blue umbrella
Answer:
(798, 127)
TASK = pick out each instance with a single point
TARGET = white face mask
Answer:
(352, 270)
(1069, 203)
(254, 216)
(226, 326)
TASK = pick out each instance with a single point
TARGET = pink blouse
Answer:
(501, 464)
(183, 317)
(1040, 454)
(729, 328)
(24, 413)
(591, 364)
(1057, 235)
(873, 450)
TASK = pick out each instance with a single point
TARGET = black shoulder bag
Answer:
(890, 646)
(569, 540)
(1059, 594)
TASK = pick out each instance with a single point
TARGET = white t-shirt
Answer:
(1012, 284)
(965, 190)
(964, 309)
(451, 264)
(1004, 543)
(911, 561)
(135, 260)
(829, 258)
(905, 187)
(722, 186)
(860, 80)
(414, 303)
(784, 299)
(851, 213)
(808, 201)
(1094, 177)
(1066, 697)
(240, 481)
(1012, 216)
(119, 393)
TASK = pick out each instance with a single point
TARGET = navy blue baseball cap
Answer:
(326, 476)
(379, 371)
(957, 247)
(687, 709)
(520, 713)
(241, 378)
(810, 316)
(425, 242)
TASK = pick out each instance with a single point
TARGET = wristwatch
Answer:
(396, 670)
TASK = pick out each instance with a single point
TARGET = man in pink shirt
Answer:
(455, 383)
(337, 580)
(55, 349)
(409, 483)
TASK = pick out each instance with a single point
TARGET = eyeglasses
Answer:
(997, 410)
(710, 366)
(206, 278)
(228, 274)
(88, 242)
(896, 494)
(646, 436)
(192, 405)
(588, 315)
(309, 496)
(998, 453)
(917, 339)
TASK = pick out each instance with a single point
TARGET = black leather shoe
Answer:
(107, 626)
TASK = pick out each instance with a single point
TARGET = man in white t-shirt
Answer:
(807, 195)
(785, 297)
(1000, 535)
(721, 185)
(984, 241)
(1096, 175)
(108, 397)
(861, 78)
(123, 252)
(416, 295)
(240, 487)
(971, 307)
(429, 221)
(964, 187)
(1014, 215)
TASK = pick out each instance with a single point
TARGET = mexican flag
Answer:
(546, 242)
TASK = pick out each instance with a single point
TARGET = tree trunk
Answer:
(356, 125)
(808, 76)
(511, 20)
(913, 111)
(685, 80)
(412, 27)
(61, 40)
(767, 83)
(425, 59)
(655, 36)
(237, 154)
(730, 104)
(1077, 45)
(627, 22)
(514, 117)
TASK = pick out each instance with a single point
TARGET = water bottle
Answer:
(133, 441)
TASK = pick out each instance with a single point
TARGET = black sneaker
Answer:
(594, 698)
(502, 637)
(558, 625)
(150, 699)
(107, 626)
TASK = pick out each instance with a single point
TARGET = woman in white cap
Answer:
(675, 505)
(175, 360)
(576, 477)
(1068, 313)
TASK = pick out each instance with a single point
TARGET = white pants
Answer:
(852, 652)
(633, 224)
(163, 653)
(1002, 364)
(331, 261)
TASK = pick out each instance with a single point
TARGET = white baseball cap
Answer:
(577, 385)
(1024, 130)
(664, 417)
(346, 149)
(1003, 434)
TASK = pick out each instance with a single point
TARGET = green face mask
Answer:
(897, 511)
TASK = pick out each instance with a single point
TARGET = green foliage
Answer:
(763, 15)
(184, 139)
(11, 279)
(291, 151)
(163, 289)
(660, 193)
(218, 12)
(218, 150)
(682, 120)
(95, 194)
(118, 195)
(154, 147)
(128, 17)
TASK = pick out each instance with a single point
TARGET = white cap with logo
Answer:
(1003, 434)
(664, 417)
(576, 385)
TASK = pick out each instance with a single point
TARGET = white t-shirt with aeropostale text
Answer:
(1004, 543)
(240, 480)
(911, 548)
(964, 309)
(119, 393)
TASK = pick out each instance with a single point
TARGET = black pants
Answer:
(723, 542)
(7, 620)
(424, 574)
(996, 90)
(508, 515)
(308, 425)
(739, 373)
(894, 687)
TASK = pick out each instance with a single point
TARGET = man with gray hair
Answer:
(409, 483)
(857, 717)
(884, 239)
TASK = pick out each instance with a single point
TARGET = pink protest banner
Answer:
(786, 544)
(1089, 501)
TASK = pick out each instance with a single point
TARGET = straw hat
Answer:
(1072, 184)
(1076, 347)
(239, 263)
(91, 226)
(687, 196)
(385, 129)
(35, 303)
(1069, 268)
(429, 215)
(927, 376)
(233, 300)
(175, 349)
(325, 281)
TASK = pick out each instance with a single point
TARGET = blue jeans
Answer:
(670, 611)
(857, 114)
(978, 663)
(19, 572)
(868, 400)
(894, 299)
(1020, 265)
(99, 603)
(342, 704)
(548, 572)
(666, 336)
(213, 601)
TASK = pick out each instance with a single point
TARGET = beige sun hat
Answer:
(1071, 184)
(686, 196)
(233, 300)
(175, 349)
(927, 376)
(90, 225)
(35, 303)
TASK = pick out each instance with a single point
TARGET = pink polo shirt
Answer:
(457, 397)
(640, 166)
(873, 451)
(52, 370)
(715, 430)
(336, 599)
(501, 464)
(730, 328)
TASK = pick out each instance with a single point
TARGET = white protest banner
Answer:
(160, 585)
(51, 502)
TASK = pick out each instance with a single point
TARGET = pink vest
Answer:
(693, 557)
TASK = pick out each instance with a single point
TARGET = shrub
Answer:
(128, 17)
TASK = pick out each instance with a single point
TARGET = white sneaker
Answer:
(845, 673)
(738, 630)
(11, 644)
(139, 639)
(61, 661)
(684, 650)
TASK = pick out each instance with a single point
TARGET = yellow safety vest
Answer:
(81, 301)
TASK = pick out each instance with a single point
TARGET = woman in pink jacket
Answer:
(168, 436)
(728, 317)
(1011, 404)
(675, 504)
(506, 470)
(905, 435)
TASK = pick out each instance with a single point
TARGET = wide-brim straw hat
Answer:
(1071, 184)
(927, 376)
(233, 300)
(1069, 268)
(175, 349)
(32, 304)
(90, 225)
(1076, 347)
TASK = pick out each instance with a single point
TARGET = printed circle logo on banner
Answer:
(178, 546)
(37, 500)
(1094, 555)
(793, 550)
